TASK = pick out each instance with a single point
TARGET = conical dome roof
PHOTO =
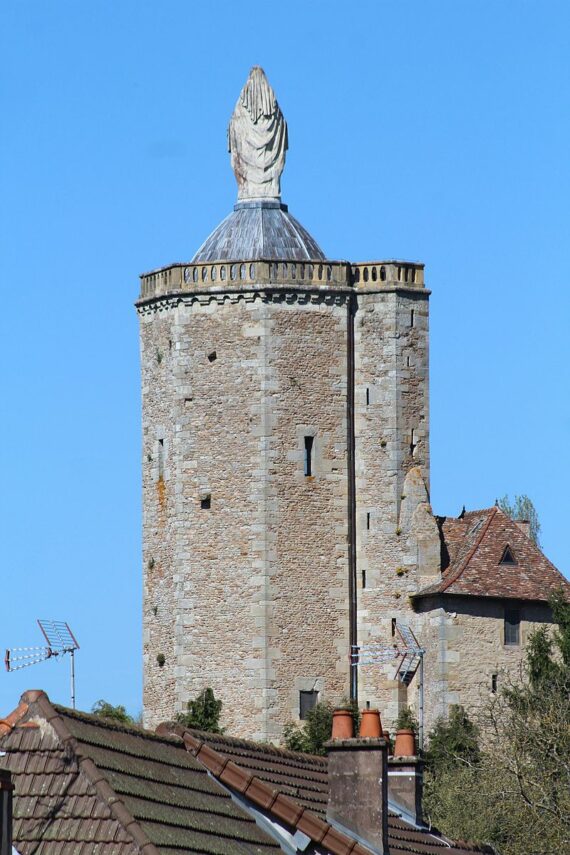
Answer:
(259, 229)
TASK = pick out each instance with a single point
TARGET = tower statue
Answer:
(257, 139)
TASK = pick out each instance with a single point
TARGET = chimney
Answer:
(6, 789)
(524, 526)
(405, 777)
(405, 786)
(358, 789)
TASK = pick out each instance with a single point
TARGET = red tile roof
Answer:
(87, 785)
(293, 788)
(476, 543)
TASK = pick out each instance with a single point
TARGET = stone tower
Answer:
(285, 454)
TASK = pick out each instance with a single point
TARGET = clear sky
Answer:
(433, 131)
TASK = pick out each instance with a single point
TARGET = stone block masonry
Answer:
(246, 569)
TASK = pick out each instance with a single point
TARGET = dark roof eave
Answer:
(424, 595)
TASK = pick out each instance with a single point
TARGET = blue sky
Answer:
(426, 131)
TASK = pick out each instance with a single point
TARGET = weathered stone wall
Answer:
(464, 640)
(248, 595)
(392, 441)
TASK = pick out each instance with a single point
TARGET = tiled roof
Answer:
(85, 785)
(285, 782)
(475, 545)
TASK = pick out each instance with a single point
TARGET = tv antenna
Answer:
(411, 660)
(60, 640)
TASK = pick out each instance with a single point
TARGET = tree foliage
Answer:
(453, 741)
(104, 709)
(203, 713)
(310, 736)
(522, 509)
(514, 791)
(407, 720)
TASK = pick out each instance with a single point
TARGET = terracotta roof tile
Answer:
(476, 544)
(306, 776)
(87, 785)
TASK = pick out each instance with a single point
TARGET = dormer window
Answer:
(507, 557)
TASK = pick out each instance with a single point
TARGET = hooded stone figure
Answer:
(257, 139)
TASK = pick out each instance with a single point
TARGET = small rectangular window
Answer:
(309, 455)
(494, 683)
(512, 626)
(368, 521)
(412, 318)
(367, 397)
(206, 503)
(393, 627)
(307, 700)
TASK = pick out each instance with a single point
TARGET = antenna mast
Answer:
(60, 640)
(411, 660)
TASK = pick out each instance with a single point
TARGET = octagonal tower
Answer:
(284, 405)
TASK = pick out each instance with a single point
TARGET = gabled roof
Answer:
(86, 785)
(476, 544)
(293, 788)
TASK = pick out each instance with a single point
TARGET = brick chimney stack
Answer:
(358, 790)
(405, 786)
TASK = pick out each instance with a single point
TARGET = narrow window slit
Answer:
(413, 443)
(309, 455)
(412, 318)
(161, 458)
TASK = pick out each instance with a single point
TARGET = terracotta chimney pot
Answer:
(342, 726)
(405, 745)
(370, 724)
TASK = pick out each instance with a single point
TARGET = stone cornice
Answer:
(265, 294)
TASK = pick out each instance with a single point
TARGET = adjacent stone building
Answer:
(286, 507)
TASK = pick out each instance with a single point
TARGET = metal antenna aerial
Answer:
(411, 659)
(60, 640)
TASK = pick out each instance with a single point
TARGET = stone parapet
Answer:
(239, 275)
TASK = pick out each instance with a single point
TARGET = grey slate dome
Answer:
(259, 229)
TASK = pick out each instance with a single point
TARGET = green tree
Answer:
(453, 741)
(522, 509)
(310, 736)
(203, 713)
(117, 713)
